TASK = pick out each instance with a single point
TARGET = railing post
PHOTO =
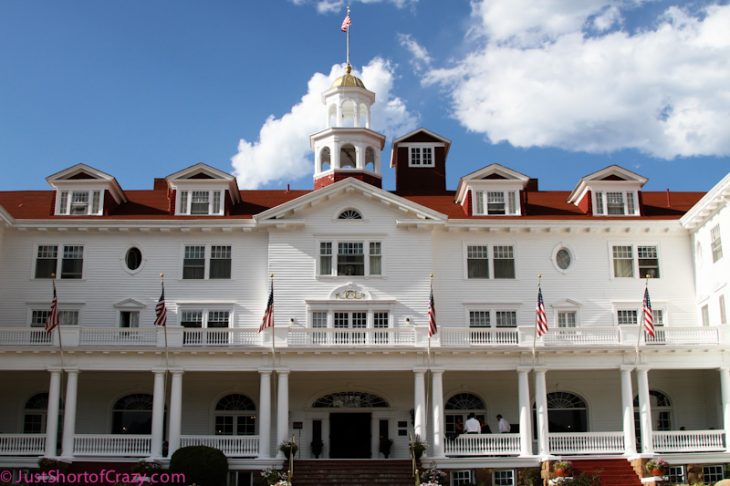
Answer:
(54, 395)
(627, 406)
(69, 415)
(523, 389)
(725, 393)
(264, 414)
(642, 377)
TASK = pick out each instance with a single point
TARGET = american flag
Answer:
(52, 321)
(346, 23)
(268, 319)
(161, 310)
(648, 314)
(432, 329)
(540, 315)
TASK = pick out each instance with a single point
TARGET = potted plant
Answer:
(657, 467)
(417, 447)
(274, 477)
(289, 448)
(432, 477)
(386, 443)
(316, 446)
(563, 469)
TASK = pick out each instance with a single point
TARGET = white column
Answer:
(627, 405)
(437, 400)
(725, 390)
(335, 155)
(419, 410)
(264, 414)
(158, 413)
(541, 413)
(174, 428)
(54, 397)
(523, 390)
(69, 413)
(647, 444)
(282, 409)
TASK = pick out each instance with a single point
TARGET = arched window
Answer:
(348, 157)
(370, 159)
(350, 400)
(458, 408)
(235, 414)
(332, 116)
(362, 120)
(567, 412)
(36, 412)
(661, 411)
(350, 214)
(348, 114)
(325, 159)
(132, 414)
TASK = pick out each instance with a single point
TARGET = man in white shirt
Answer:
(472, 425)
(504, 426)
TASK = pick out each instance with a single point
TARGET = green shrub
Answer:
(202, 465)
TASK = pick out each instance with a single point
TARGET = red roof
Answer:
(154, 204)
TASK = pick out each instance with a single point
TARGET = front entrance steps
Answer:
(613, 472)
(349, 472)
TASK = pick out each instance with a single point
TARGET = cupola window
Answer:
(348, 157)
(200, 203)
(79, 203)
(420, 156)
(496, 203)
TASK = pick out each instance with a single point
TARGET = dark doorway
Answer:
(350, 435)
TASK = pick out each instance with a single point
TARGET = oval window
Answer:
(133, 259)
(563, 258)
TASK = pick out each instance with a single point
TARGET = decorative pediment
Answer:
(86, 178)
(611, 176)
(491, 177)
(202, 176)
(130, 304)
(350, 291)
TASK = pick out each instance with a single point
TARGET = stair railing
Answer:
(290, 472)
(414, 463)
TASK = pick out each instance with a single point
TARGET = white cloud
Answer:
(283, 143)
(334, 6)
(420, 58)
(610, 17)
(329, 6)
(663, 91)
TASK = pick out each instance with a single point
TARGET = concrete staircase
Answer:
(613, 472)
(348, 472)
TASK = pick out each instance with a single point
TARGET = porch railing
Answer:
(582, 335)
(230, 445)
(223, 336)
(132, 336)
(112, 445)
(22, 444)
(471, 336)
(351, 337)
(483, 445)
(586, 442)
(24, 336)
(689, 441)
(683, 335)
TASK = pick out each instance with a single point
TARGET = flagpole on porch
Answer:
(58, 327)
(273, 325)
(534, 338)
(167, 354)
(641, 327)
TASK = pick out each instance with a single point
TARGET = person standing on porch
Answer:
(472, 425)
(504, 426)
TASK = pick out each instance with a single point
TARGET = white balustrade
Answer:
(22, 444)
(351, 337)
(568, 336)
(475, 336)
(221, 336)
(683, 335)
(689, 441)
(586, 442)
(112, 445)
(25, 336)
(230, 445)
(114, 336)
(483, 445)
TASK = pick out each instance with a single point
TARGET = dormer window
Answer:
(79, 203)
(498, 203)
(420, 156)
(200, 203)
(612, 203)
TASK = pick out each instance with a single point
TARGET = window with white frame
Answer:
(201, 202)
(635, 260)
(504, 478)
(723, 312)
(128, 318)
(71, 263)
(80, 203)
(499, 203)
(477, 261)
(39, 317)
(567, 318)
(492, 318)
(615, 203)
(627, 317)
(210, 319)
(479, 318)
(675, 475)
(716, 243)
(349, 258)
(461, 478)
(216, 258)
(658, 315)
(713, 474)
(421, 156)
(506, 318)
(705, 311)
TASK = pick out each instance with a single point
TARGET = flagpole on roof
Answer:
(347, 33)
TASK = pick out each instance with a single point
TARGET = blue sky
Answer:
(555, 89)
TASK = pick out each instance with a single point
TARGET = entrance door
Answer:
(350, 435)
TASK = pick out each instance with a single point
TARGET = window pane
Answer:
(506, 318)
(194, 262)
(511, 206)
(478, 318)
(68, 318)
(495, 203)
(599, 203)
(218, 319)
(648, 261)
(504, 262)
(477, 261)
(129, 319)
(630, 206)
(184, 202)
(566, 319)
(350, 258)
(723, 312)
(199, 203)
(38, 318)
(220, 262)
(615, 202)
(427, 154)
(63, 203)
(325, 258)
(191, 318)
(480, 202)
(216, 202)
(627, 317)
(95, 202)
(375, 258)
(716, 243)
(72, 264)
(46, 261)
(79, 202)
(623, 261)
(705, 315)
(415, 156)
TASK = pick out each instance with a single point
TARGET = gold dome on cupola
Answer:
(348, 80)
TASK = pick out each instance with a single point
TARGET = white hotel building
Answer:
(349, 359)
